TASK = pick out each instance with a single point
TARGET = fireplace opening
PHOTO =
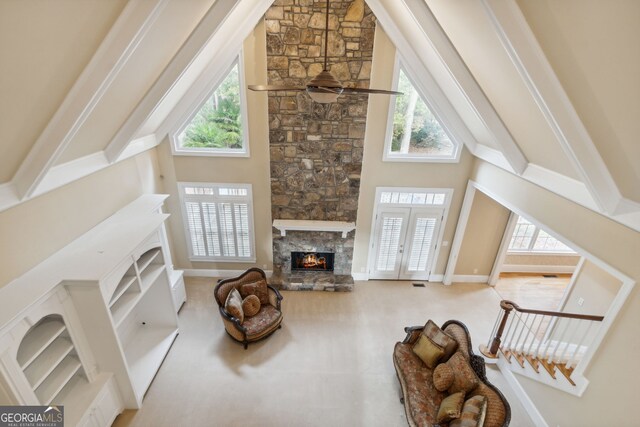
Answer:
(312, 261)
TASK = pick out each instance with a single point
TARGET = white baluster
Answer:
(524, 326)
(495, 327)
(574, 360)
(566, 348)
(545, 334)
(552, 356)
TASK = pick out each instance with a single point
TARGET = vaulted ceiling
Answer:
(544, 89)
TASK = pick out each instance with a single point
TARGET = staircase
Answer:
(548, 346)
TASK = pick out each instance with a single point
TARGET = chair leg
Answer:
(280, 326)
(246, 345)
(402, 400)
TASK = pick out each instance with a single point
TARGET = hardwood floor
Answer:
(329, 365)
(533, 290)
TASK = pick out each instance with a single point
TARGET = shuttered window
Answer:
(388, 243)
(422, 244)
(218, 221)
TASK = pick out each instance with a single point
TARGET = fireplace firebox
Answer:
(312, 261)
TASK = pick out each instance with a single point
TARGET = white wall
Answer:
(376, 173)
(614, 371)
(34, 230)
(252, 170)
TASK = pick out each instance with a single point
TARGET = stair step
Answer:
(534, 362)
(506, 354)
(550, 367)
(519, 358)
(562, 367)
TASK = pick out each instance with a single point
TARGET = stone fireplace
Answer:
(316, 150)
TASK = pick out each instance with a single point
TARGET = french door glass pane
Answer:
(421, 244)
(388, 243)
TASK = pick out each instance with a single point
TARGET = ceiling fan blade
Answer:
(362, 90)
(324, 89)
(274, 87)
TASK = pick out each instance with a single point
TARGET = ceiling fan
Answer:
(323, 88)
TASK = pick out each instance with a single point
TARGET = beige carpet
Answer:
(329, 365)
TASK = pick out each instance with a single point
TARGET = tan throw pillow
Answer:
(442, 377)
(251, 305)
(440, 337)
(428, 351)
(450, 408)
(233, 305)
(258, 289)
(464, 378)
(473, 413)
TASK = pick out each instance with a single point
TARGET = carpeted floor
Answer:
(329, 365)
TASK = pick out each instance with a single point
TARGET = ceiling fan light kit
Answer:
(323, 88)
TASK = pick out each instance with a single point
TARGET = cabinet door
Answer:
(88, 420)
(108, 405)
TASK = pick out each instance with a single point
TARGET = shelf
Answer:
(47, 361)
(37, 340)
(57, 379)
(123, 306)
(122, 287)
(78, 395)
(285, 225)
(150, 275)
(145, 352)
(147, 258)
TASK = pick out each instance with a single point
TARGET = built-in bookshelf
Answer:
(50, 362)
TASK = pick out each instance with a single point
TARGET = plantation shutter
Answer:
(219, 228)
(421, 244)
(390, 233)
(194, 221)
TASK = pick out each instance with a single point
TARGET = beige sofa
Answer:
(421, 398)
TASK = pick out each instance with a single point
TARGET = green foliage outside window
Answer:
(426, 136)
(218, 124)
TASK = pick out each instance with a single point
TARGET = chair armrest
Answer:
(413, 332)
(230, 318)
(277, 295)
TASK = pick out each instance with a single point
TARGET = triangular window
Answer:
(416, 133)
(217, 127)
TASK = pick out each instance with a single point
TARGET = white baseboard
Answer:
(468, 278)
(205, 272)
(523, 397)
(362, 277)
(523, 268)
(437, 278)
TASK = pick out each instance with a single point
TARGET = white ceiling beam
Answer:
(440, 47)
(196, 43)
(544, 86)
(115, 50)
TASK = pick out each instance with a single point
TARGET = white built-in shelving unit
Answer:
(90, 326)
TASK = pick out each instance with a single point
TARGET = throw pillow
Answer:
(233, 305)
(258, 289)
(440, 337)
(464, 378)
(450, 408)
(428, 351)
(442, 377)
(251, 305)
(473, 413)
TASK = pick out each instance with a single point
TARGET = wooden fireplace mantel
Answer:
(285, 225)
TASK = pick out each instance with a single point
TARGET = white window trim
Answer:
(197, 105)
(531, 251)
(248, 198)
(444, 208)
(390, 157)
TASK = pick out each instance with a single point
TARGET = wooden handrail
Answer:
(509, 305)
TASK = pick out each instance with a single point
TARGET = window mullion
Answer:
(532, 243)
(218, 224)
(204, 229)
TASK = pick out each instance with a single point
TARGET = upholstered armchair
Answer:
(246, 329)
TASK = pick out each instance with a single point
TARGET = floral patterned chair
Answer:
(258, 326)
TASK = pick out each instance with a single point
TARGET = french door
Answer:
(405, 242)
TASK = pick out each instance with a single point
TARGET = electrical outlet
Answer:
(580, 301)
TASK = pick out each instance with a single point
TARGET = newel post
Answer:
(495, 344)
